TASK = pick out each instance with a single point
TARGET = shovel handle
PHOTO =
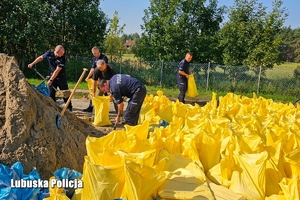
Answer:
(73, 92)
(43, 78)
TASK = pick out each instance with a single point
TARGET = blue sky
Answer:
(131, 12)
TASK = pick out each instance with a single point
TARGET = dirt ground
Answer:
(82, 103)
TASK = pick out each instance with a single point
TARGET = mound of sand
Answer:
(28, 131)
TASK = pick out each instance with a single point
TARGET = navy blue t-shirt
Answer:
(101, 57)
(55, 62)
(184, 66)
(123, 85)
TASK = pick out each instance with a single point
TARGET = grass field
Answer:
(285, 70)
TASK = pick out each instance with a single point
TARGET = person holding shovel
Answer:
(122, 85)
(58, 78)
(97, 56)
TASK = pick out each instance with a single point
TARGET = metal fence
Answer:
(208, 76)
(214, 77)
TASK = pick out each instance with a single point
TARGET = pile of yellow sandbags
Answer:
(236, 148)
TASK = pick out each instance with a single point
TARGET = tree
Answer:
(113, 42)
(173, 27)
(29, 27)
(20, 30)
(290, 46)
(251, 36)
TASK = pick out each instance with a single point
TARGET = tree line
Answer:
(252, 35)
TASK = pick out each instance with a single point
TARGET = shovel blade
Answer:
(58, 118)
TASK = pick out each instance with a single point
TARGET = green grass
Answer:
(173, 92)
(285, 70)
(128, 57)
(83, 84)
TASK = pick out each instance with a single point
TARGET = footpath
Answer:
(187, 100)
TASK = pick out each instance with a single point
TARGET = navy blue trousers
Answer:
(132, 112)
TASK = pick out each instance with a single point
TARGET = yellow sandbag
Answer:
(192, 88)
(186, 179)
(291, 165)
(141, 130)
(142, 181)
(101, 182)
(101, 150)
(56, 193)
(249, 177)
(210, 145)
(146, 158)
(77, 194)
(90, 83)
(101, 106)
(291, 187)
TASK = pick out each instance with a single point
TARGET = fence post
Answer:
(161, 72)
(207, 78)
(258, 83)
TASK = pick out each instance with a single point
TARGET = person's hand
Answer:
(86, 79)
(30, 65)
(117, 119)
(49, 82)
(187, 76)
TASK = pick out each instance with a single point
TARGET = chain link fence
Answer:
(214, 77)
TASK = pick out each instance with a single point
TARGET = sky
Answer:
(131, 12)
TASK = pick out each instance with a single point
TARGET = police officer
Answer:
(58, 78)
(121, 85)
(97, 56)
(102, 71)
(183, 75)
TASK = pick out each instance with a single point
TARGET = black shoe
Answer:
(88, 109)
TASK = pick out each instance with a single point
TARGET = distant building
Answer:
(129, 44)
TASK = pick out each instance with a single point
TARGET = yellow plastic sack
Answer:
(90, 83)
(101, 106)
(192, 88)
(102, 182)
(250, 178)
(142, 181)
(56, 193)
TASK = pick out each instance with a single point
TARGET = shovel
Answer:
(65, 93)
(58, 117)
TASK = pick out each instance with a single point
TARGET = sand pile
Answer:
(28, 131)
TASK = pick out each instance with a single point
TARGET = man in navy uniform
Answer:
(183, 75)
(97, 56)
(122, 85)
(58, 78)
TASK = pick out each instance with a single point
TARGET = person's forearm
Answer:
(90, 73)
(54, 75)
(183, 73)
(37, 60)
(120, 109)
